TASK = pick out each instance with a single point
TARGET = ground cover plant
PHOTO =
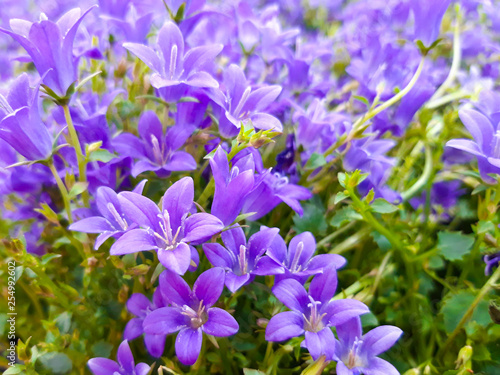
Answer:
(250, 187)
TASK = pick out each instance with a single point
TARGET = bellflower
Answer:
(231, 185)
(428, 16)
(357, 353)
(155, 150)
(298, 260)
(141, 307)
(312, 314)
(486, 144)
(369, 156)
(20, 123)
(492, 261)
(191, 313)
(50, 46)
(169, 230)
(270, 189)
(242, 260)
(124, 366)
(112, 222)
(172, 66)
(240, 103)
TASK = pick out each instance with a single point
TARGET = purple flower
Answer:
(169, 230)
(242, 260)
(312, 314)
(368, 155)
(241, 104)
(486, 144)
(124, 17)
(357, 353)
(155, 150)
(272, 188)
(171, 65)
(141, 307)
(112, 222)
(50, 46)
(20, 123)
(298, 260)
(231, 185)
(124, 366)
(491, 260)
(428, 16)
(191, 313)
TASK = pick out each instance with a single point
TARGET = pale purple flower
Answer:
(232, 185)
(171, 64)
(312, 314)
(298, 260)
(157, 151)
(356, 353)
(191, 313)
(20, 123)
(112, 221)
(125, 364)
(242, 261)
(240, 103)
(50, 46)
(141, 307)
(486, 144)
(428, 16)
(492, 261)
(168, 230)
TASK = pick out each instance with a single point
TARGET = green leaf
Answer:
(485, 227)
(454, 245)
(456, 306)
(341, 195)
(57, 363)
(77, 189)
(63, 322)
(346, 214)
(102, 349)
(382, 206)
(211, 154)
(248, 371)
(48, 212)
(243, 217)
(16, 369)
(341, 177)
(315, 161)
(101, 155)
(362, 99)
(313, 219)
(48, 257)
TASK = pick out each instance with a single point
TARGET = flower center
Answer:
(295, 266)
(196, 317)
(315, 321)
(243, 260)
(158, 151)
(354, 360)
(119, 219)
(169, 241)
(279, 181)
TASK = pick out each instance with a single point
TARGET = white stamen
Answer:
(242, 102)
(120, 220)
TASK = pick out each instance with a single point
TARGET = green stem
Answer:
(207, 192)
(428, 167)
(82, 163)
(482, 293)
(455, 64)
(45, 280)
(62, 189)
(375, 224)
(325, 241)
(396, 98)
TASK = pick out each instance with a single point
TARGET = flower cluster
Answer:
(240, 147)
